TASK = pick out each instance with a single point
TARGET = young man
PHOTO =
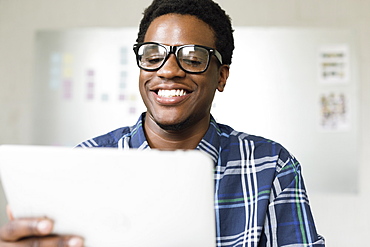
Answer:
(184, 51)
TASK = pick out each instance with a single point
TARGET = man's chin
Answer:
(174, 127)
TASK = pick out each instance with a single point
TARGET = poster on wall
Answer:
(62, 78)
(334, 64)
(334, 112)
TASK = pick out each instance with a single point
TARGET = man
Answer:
(184, 51)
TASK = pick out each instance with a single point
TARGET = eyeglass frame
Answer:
(174, 50)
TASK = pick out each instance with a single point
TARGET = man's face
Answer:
(166, 108)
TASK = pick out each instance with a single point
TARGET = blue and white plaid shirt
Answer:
(260, 197)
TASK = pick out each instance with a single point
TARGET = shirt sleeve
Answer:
(289, 220)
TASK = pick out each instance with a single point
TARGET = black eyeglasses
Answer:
(195, 59)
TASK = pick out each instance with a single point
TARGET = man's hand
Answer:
(34, 232)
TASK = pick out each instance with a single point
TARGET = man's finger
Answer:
(52, 241)
(21, 228)
(9, 213)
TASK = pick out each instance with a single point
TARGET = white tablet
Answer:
(113, 197)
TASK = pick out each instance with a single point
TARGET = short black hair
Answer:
(205, 10)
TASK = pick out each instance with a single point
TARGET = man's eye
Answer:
(193, 62)
(153, 59)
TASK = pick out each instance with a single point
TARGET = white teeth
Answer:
(171, 93)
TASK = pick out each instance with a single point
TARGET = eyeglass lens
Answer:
(190, 58)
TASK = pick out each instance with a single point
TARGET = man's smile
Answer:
(170, 96)
(171, 93)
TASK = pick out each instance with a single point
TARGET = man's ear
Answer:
(223, 75)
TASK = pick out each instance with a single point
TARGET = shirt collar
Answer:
(210, 143)
(137, 136)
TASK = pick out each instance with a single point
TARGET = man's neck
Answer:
(187, 138)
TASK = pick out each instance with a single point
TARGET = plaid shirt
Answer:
(260, 198)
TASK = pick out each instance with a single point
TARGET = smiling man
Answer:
(184, 51)
(179, 81)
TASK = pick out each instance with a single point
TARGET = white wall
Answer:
(341, 218)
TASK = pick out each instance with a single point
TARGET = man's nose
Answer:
(171, 68)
